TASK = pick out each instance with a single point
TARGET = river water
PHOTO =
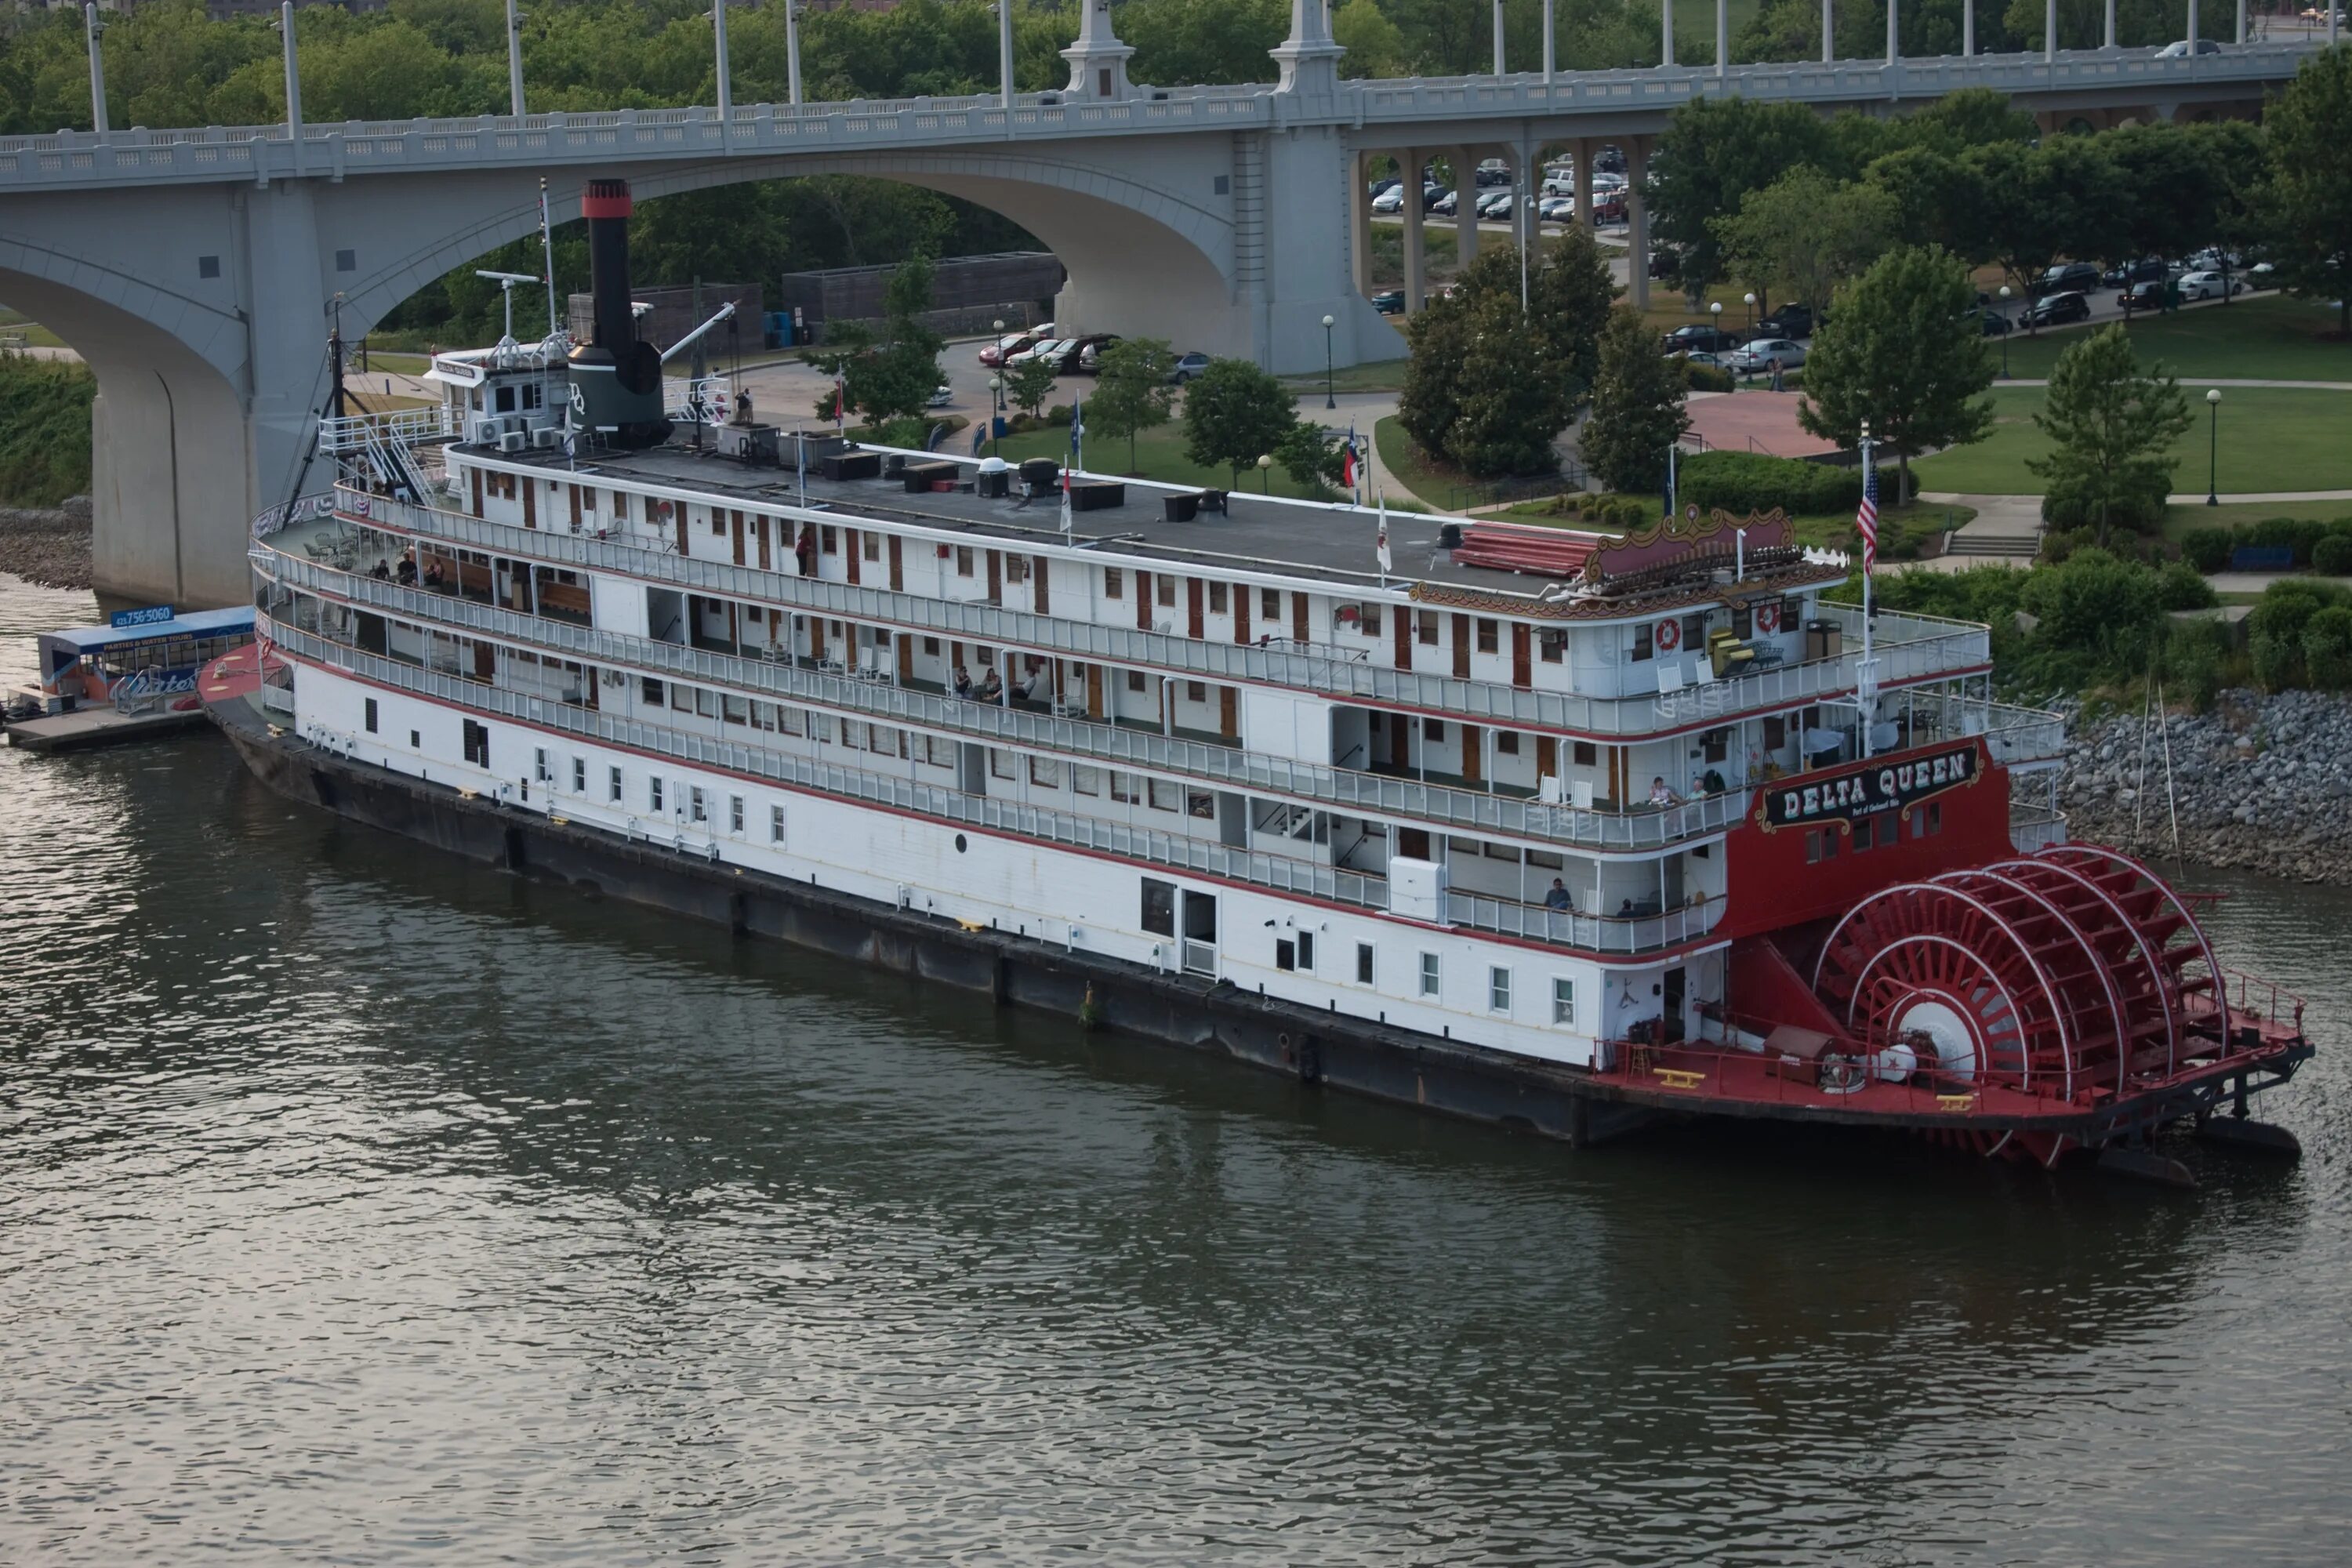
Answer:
(358, 1206)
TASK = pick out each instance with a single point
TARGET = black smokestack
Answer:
(607, 207)
(616, 380)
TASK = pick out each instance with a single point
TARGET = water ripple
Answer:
(362, 1208)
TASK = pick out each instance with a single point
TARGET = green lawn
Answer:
(2272, 439)
(1159, 455)
(2261, 337)
(398, 363)
(1377, 376)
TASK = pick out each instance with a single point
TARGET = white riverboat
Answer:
(1633, 812)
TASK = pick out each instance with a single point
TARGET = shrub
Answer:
(2332, 556)
(1744, 482)
(2194, 660)
(1705, 377)
(43, 430)
(2295, 533)
(2180, 586)
(2206, 549)
(2276, 627)
(2327, 648)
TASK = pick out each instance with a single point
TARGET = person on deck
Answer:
(1662, 795)
(992, 686)
(1558, 898)
(963, 681)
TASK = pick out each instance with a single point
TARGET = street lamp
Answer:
(2213, 455)
(2005, 324)
(1328, 400)
(996, 400)
(1751, 314)
(1715, 309)
(1265, 473)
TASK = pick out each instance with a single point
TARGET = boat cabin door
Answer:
(1199, 932)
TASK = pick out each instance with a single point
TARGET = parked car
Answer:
(1043, 348)
(1788, 322)
(1390, 200)
(1377, 187)
(1991, 322)
(1189, 365)
(2147, 270)
(2056, 310)
(1444, 204)
(2210, 286)
(1608, 161)
(1389, 301)
(1717, 362)
(1604, 181)
(1493, 172)
(1761, 355)
(1699, 339)
(1088, 358)
(1557, 209)
(1608, 206)
(1004, 348)
(1559, 182)
(1666, 261)
(2181, 50)
(2067, 277)
(2141, 297)
(942, 395)
(1495, 206)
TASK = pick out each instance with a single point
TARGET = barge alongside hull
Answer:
(1328, 1049)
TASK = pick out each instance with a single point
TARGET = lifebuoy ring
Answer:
(1768, 617)
(1670, 634)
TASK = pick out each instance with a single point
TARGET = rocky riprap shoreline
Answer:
(2262, 782)
(49, 545)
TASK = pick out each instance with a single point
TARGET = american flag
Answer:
(1866, 520)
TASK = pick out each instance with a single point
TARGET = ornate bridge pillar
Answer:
(1097, 59)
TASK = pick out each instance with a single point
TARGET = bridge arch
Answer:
(1140, 259)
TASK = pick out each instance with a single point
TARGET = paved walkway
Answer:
(1762, 422)
(2214, 381)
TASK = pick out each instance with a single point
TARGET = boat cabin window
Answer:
(504, 400)
(1641, 641)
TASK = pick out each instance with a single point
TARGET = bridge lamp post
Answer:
(91, 28)
(293, 83)
(1266, 472)
(996, 398)
(1329, 401)
(726, 95)
(793, 52)
(2005, 324)
(514, 58)
(2213, 448)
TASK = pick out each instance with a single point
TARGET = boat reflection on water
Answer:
(571, 1229)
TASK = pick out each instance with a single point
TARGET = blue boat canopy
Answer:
(61, 649)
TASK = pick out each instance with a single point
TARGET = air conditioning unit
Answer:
(547, 437)
(511, 441)
(484, 432)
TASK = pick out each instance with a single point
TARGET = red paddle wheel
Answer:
(2069, 972)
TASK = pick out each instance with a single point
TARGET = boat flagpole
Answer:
(1865, 681)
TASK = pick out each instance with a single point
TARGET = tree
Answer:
(2059, 198)
(1375, 47)
(2112, 430)
(1713, 153)
(1235, 414)
(1514, 394)
(2307, 200)
(1489, 385)
(1938, 198)
(1029, 383)
(1131, 393)
(1637, 407)
(891, 374)
(1901, 354)
(1309, 456)
(1806, 233)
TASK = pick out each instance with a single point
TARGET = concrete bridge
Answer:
(197, 269)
